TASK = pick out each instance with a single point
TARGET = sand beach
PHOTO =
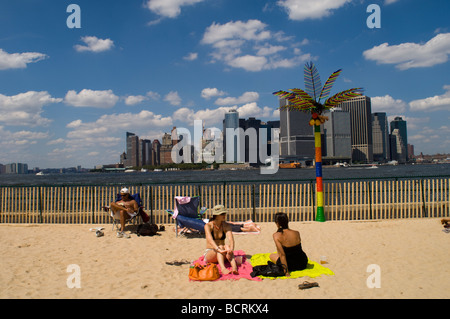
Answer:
(412, 256)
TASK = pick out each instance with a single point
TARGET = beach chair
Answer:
(137, 216)
(188, 215)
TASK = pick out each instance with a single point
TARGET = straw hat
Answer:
(219, 210)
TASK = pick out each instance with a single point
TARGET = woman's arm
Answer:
(281, 253)
(209, 239)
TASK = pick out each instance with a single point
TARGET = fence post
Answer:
(40, 204)
(370, 199)
(151, 204)
(313, 198)
(424, 208)
(254, 203)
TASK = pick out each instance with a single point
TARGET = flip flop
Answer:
(307, 285)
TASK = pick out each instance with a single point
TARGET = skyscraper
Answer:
(361, 127)
(338, 144)
(380, 136)
(132, 150)
(400, 124)
(296, 136)
(231, 122)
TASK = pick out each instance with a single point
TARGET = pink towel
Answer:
(244, 269)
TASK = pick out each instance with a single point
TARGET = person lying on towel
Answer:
(290, 254)
(247, 226)
(216, 231)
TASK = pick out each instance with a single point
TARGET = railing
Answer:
(361, 199)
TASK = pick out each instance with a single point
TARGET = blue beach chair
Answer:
(188, 214)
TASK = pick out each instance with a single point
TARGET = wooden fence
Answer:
(344, 200)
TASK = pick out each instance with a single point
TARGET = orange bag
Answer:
(204, 273)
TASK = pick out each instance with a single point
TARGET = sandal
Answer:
(177, 263)
(307, 285)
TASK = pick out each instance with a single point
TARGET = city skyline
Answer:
(68, 94)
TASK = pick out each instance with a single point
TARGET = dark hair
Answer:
(282, 220)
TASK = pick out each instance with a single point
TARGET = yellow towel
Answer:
(312, 270)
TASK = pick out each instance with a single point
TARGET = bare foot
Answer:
(225, 271)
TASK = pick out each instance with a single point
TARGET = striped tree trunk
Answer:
(320, 216)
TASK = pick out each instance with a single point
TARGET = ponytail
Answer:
(282, 220)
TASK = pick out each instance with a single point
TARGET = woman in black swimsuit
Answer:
(216, 231)
(289, 247)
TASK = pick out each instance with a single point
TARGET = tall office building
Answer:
(132, 158)
(361, 127)
(380, 137)
(296, 135)
(400, 124)
(16, 168)
(337, 136)
(166, 149)
(145, 152)
(231, 143)
(399, 151)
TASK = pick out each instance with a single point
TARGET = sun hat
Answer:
(219, 210)
(124, 191)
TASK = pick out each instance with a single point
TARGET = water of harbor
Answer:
(204, 176)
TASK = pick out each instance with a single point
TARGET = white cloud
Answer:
(135, 99)
(208, 93)
(173, 98)
(412, 55)
(250, 30)
(269, 49)
(387, 2)
(387, 104)
(91, 98)
(153, 95)
(18, 144)
(310, 9)
(25, 108)
(248, 62)
(247, 45)
(168, 8)
(108, 124)
(191, 56)
(94, 44)
(434, 103)
(19, 60)
(247, 97)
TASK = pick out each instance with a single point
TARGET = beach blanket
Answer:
(244, 269)
(312, 270)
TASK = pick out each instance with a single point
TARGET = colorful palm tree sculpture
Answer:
(309, 100)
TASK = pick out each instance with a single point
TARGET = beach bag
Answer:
(204, 273)
(269, 270)
(144, 216)
(147, 229)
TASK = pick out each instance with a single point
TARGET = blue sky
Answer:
(68, 95)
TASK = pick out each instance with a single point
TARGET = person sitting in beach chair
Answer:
(290, 255)
(216, 231)
(126, 208)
